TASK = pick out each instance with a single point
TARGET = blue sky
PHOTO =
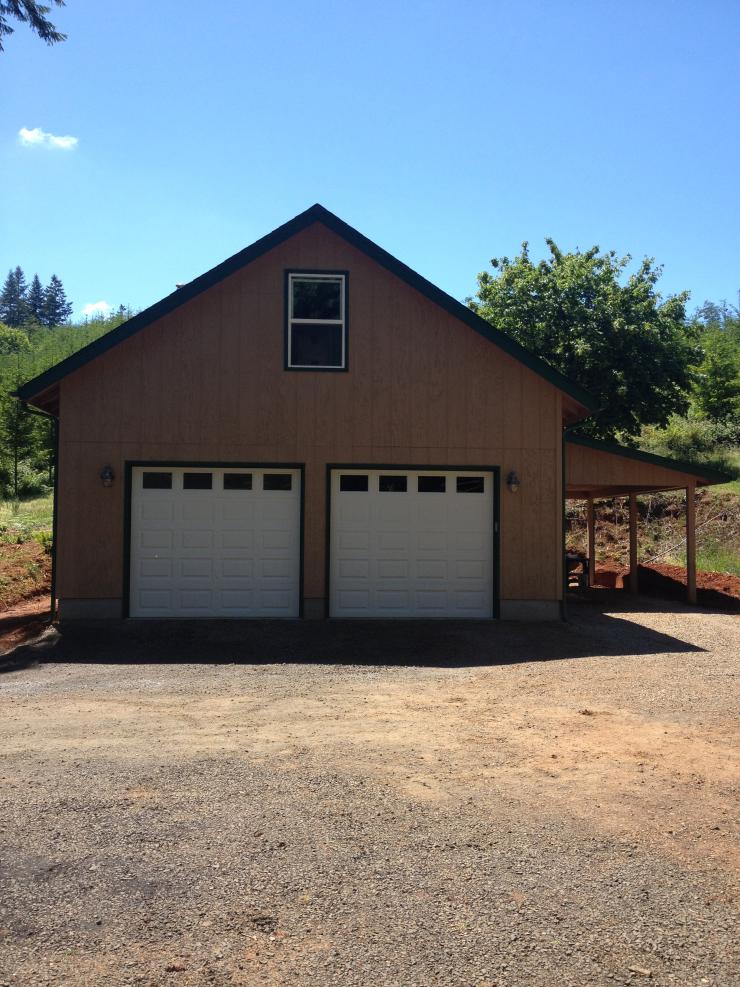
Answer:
(448, 132)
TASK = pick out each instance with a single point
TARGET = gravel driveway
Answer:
(373, 804)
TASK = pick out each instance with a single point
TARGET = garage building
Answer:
(311, 429)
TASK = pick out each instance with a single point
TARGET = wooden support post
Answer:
(691, 543)
(633, 544)
(591, 526)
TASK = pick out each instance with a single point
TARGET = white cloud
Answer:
(96, 308)
(38, 137)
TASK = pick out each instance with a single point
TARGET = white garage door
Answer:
(214, 542)
(410, 543)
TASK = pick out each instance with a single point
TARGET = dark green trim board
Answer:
(286, 322)
(54, 526)
(694, 469)
(495, 471)
(130, 464)
(316, 214)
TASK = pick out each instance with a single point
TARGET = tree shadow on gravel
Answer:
(589, 632)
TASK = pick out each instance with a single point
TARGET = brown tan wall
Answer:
(207, 383)
(595, 468)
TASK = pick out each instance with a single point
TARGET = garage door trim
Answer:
(495, 471)
(131, 464)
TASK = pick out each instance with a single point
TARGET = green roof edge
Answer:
(315, 214)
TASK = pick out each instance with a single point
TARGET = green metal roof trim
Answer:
(694, 469)
(316, 214)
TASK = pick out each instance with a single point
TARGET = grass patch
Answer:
(22, 520)
(734, 485)
(711, 556)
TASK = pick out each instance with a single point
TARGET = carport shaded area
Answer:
(604, 470)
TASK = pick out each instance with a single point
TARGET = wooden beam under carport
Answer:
(634, 580)
(691, 542)
(591, 526)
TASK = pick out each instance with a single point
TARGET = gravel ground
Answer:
(389, 804)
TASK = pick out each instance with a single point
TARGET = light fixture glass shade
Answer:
(512, 481)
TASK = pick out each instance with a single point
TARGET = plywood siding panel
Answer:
(599, 469)
(207, 382)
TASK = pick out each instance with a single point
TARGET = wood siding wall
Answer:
(599, 470)
(207, 383)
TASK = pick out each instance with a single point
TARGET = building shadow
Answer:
(590, 631)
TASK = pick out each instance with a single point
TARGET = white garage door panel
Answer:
(412, 553)
(218, 552)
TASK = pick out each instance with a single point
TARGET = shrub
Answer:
(695, 440)
(44, 538)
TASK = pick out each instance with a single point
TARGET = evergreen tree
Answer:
(57, 309)
(13, 303)
(32, 13)
(35, 300)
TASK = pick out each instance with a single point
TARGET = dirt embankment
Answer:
(25, 573)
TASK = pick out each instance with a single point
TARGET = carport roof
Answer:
(606, 469)
(34, 390)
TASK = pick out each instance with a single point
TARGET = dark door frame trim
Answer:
(421, 467)
(131, 464)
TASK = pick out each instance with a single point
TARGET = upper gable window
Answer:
(317, 322)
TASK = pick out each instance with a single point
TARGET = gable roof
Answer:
(316, 214)
(701, 472)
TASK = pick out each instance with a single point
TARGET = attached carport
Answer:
(596, 470)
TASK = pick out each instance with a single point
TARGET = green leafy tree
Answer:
(13, 302)
(56, 309)
(611, 333)
(35, 300)
(18, 432)
(717, 384)
(32, 13)
(13, 342)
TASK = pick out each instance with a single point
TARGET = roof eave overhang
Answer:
(701, 474)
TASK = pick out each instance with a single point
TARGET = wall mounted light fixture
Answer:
(512, 481)
(107, 476)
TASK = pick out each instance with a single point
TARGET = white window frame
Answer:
(341, 322)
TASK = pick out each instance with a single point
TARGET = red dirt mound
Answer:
(715, 590)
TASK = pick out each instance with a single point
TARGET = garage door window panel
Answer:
(277, 481)
(393, 483)
(197, 481)
(471, 484)
(237, 481)
(156, 481)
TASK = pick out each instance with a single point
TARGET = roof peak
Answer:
(314, 213)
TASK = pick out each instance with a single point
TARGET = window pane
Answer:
(432, 484)
(277, 481)
(157, 481)
(319, 299)
(315, 345)
(197, 481)
(237, 481)
(392, 484)
(470, 484)
(352, 481)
